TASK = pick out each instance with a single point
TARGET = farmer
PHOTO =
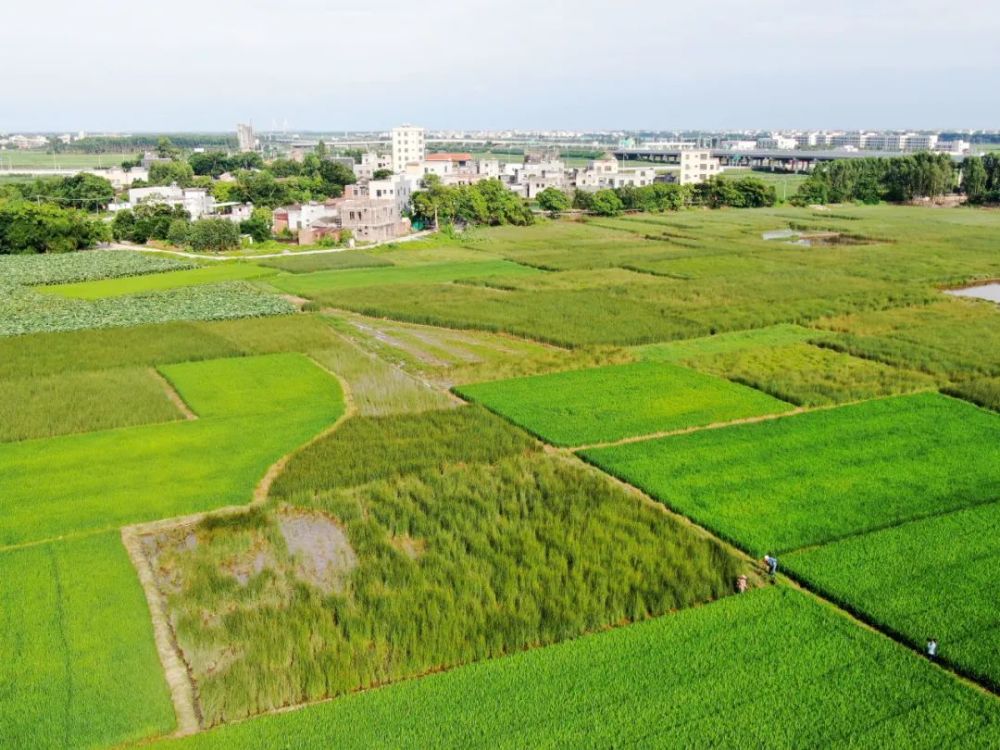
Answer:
(741, 584)
(772, 564)
(931, 647)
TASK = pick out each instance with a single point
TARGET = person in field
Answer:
(741, 584)
(772, 564)
(932, 647)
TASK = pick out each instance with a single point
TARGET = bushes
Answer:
(485, 202)
(214, 235)
(45, 228)
(148, 221)
(745, 192)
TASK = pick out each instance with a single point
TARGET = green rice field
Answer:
(807, 479)
(790, 672)
(609, 403)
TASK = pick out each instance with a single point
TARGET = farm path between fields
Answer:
(284, 254)
(180, 680)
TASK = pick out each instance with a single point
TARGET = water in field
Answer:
(780, 234)
(989, 292)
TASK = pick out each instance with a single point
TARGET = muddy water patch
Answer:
(319, 547)
(990, 292)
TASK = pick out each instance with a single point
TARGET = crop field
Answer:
(326, 524)
(811, 478)
(930, 578)
(342, 260)
(82, 402)
(686, 275)
(792, 673)
(443, 561)
(182, 294)
(77, 663)
(317, 285)
(230, 271)
(99, 480)
(447, 357)
(609, 403)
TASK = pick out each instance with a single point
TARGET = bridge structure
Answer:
(776, 159)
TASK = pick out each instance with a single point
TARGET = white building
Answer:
(738, 145)
(408, 146)
(698, 166)
(955, 148)
(915, 142)
(777, 141)
(198, 202)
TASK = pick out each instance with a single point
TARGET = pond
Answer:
(989, 291)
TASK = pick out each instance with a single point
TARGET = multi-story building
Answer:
(730, 145)
(371, 163)
(698, 166)
(924, 142)
(246, 137)
(857, 140)
(408, 146)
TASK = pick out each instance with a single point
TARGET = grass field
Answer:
(930, 578)
(77, 663)
(100, 480)
(11, 158)
(90, 290)
(813, 478)
(768, 669)
(609, 403)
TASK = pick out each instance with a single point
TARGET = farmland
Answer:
(929, 578)
(118, 289)
(453, 562)
(496, 488)
(822, 683)
(811, 478)
(610, 403)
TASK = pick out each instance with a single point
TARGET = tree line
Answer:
(981, 178)
(485, 202)
(718, 192)
(873, 180)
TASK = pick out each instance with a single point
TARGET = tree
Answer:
(606, 203)
(974, 179)
(553, 200)
(381, 174)
(214, 235)
(149, 221)
(321, 151)
(170, 173)
(165, 148)
(46, 228)
(258, 225)
(212, 163)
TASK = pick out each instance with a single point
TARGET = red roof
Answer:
(449, 157)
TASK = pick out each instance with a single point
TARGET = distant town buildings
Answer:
(408, 147)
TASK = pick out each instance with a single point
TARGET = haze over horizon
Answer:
(561, 65)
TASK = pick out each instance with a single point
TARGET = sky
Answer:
(107, 65)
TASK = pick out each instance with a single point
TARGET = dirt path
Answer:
(183, 690)
(173, 395)
(287, 254)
